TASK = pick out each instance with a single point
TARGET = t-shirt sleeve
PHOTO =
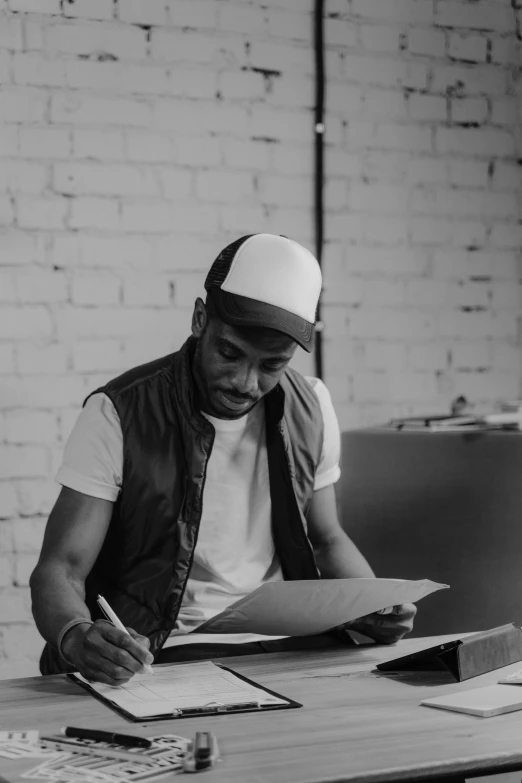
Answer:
(328, 470)
(93, 455)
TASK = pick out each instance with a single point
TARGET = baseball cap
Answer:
(267, 280)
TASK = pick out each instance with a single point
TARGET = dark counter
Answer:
(446, 506)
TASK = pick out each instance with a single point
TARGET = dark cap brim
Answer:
(238, 310)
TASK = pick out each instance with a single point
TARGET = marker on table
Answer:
(109, 614)
(127, 740)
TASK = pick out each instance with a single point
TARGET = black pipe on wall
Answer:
(319, 166)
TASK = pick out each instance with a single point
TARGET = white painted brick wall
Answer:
(138, 137)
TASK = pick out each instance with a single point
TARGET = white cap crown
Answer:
(278, 271)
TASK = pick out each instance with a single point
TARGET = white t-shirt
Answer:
(235, 551)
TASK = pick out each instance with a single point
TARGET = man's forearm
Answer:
(57, 599)
(339, 558)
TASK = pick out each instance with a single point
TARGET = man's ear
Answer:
(199, 318)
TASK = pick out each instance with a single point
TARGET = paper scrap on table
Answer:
(304, 608)
(85, 761)
(21, 744)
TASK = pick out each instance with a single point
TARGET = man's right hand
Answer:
(102, 653)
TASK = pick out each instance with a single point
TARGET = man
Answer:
(190, 481)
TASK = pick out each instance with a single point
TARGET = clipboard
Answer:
(208, 710)
(465, 658)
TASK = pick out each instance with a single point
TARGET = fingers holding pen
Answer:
(126, 650)
(106, 654)
(139, 651)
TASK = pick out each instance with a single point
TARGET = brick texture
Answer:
(138, 137)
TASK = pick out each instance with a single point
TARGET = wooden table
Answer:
(355, 725)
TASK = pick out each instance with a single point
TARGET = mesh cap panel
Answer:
(221, 266)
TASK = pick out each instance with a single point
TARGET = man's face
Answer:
(234, 368)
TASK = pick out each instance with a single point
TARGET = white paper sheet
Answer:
(304, 608)
(182, 686)
(486, 701)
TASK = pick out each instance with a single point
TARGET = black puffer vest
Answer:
(146, 557)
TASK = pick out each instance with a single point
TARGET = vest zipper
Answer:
(200, 514)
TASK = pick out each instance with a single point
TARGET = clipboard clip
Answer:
(215, 707)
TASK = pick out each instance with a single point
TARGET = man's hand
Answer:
(102, 653)
(385, 628)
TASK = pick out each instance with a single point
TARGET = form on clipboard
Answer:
(185, 690)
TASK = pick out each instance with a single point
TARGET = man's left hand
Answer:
(385, 628)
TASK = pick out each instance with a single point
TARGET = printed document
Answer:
(308, 607)
(180, 687)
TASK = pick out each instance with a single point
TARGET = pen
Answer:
(109, 614)
(203, 753)
(128, 740)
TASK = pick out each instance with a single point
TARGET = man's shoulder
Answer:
(139, 375)
(303, 392)
(308, 383)
(311, 393)
(319, 388)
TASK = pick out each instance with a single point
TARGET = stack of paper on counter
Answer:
(308, 607)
